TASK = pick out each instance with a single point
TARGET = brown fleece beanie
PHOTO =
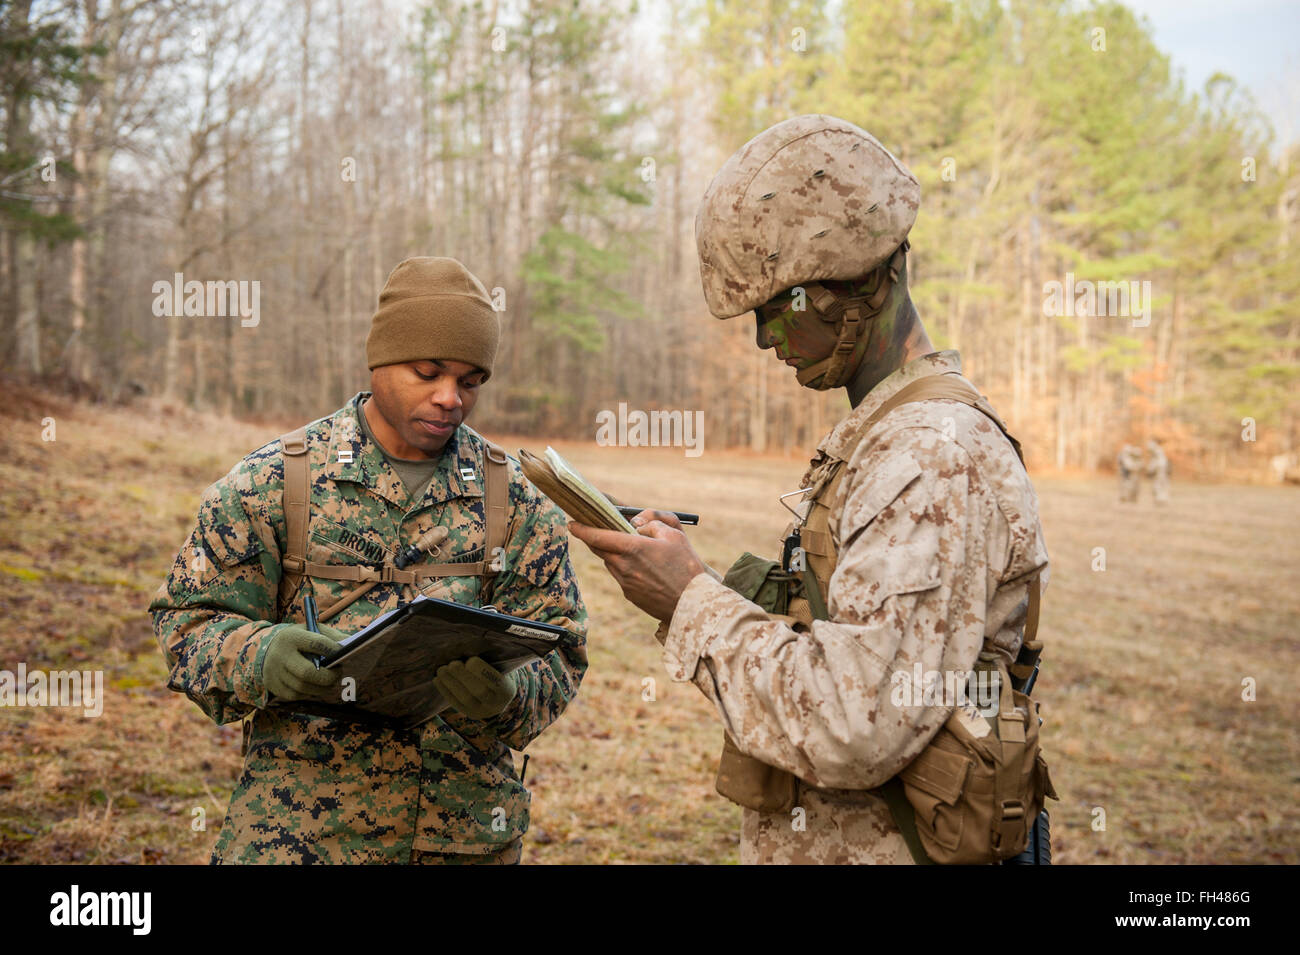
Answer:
(433, 308)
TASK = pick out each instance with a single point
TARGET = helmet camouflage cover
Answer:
(812, 198)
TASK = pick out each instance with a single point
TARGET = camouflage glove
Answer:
(288, 673)
(475, 688)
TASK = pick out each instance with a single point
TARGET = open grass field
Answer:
(1157, 756)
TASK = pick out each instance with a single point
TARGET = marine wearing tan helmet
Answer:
(813, 198)
(917, 543)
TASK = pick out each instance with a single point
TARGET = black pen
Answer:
(309, 608)
(684, 518)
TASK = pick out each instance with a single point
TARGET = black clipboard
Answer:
(392, 662)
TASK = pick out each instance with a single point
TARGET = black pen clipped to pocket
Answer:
(309, 608)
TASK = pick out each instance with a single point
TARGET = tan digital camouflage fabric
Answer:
(1158, 471)
(811, 198)
(1129, 465)
(320, 790)
(937, 531)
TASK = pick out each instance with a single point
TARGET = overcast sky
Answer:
(1255, 41)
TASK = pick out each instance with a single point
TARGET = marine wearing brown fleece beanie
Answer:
(433, 308)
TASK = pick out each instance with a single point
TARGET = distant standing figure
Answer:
(1130, 473)
(1158, 471)
(1286, 468)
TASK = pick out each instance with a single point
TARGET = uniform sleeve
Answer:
(909, 589)
(213, 615)
(537, 582)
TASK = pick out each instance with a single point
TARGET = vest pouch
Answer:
(980, 784)
(761, 581)
(1043, 780)
(744, 780)
(933, 784)
(753, 784)
(975, 791)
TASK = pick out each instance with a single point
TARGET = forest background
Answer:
(559, 148)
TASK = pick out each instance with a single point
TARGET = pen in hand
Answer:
(627, 511)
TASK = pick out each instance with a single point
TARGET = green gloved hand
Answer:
(288, 673)
(475, 687)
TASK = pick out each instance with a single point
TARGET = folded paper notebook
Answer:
(560, 481)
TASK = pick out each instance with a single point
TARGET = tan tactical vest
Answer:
(939, 777)
(297, 516)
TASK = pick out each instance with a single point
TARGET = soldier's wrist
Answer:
(687, 648)
(703, 579)
(510, 712)
(262, 696)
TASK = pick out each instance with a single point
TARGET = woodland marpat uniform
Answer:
(320, 790)
(937, 531)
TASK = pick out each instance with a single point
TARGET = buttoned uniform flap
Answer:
(867, 492)
(226, 532)
(938, 772)
(902, 559)
(222, 542)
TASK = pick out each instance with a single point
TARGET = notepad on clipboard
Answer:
(392, 662)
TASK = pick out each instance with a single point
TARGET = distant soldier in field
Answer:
(1129, 465)
(1285, 468)
(325, 511)
(1158, 471)
(917, 543)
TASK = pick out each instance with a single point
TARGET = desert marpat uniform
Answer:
(1129, 464)
(937, 531)
(1158, 471)
(320, 790)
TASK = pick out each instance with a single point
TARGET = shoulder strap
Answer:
(950, 386)
(815, 535)
(297, 511)
(816, 538)
(297, 497)
(496, 500)
(822, 560)
(947, 385)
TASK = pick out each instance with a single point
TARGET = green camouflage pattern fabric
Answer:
(315, 789)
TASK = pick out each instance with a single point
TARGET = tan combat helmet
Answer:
(812, 198)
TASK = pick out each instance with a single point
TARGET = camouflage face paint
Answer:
(887, 341)
(800, 338)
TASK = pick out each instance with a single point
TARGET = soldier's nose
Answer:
(446, 397)
(761, 335)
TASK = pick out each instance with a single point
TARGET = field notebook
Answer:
(560, 481)
(395, 658)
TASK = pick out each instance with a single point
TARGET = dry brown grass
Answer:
(1142, 680)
